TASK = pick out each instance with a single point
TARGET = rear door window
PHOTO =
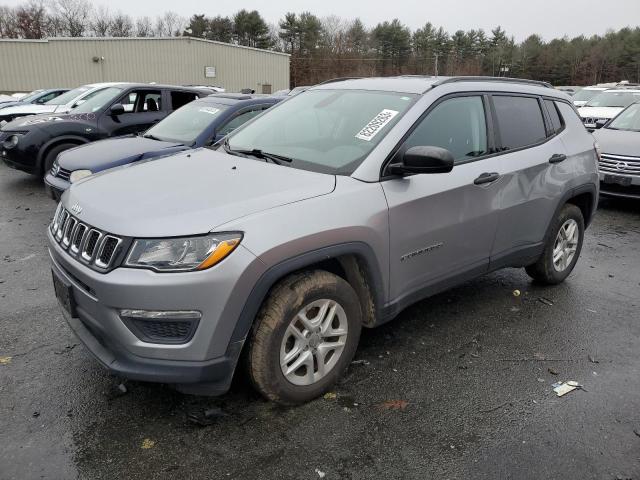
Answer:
(178, 99)
(519, 120)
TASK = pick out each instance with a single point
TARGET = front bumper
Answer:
(203, 365)
(610, 189)
(55, 186)
(18, 163)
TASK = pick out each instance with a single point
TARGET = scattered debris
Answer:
(604, 245)
(611, 275)
(592, 360)
(474, 355)
(637, 432)
(546, 301)
(360, 362)
(330, 396)
(36, 414)
(591, 311)
(563, 388)
(66, 349)
(515, 309)
(117, 391)
(393, 405)
(5, 360)
(552, 371)
(204, 418)
(541, 380)
(320, 473)
(516, 293)
(147, 443)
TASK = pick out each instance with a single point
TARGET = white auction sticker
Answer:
(374, 126)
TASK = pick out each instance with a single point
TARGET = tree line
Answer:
(328, 47)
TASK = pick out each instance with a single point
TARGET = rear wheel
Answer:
(52, 154)
(304, 338)
(562, 249)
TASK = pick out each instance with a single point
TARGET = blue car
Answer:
(198, 124)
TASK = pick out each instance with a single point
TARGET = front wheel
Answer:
(562, 249)
(305, 336)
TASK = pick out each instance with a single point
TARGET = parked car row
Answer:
(49, 144)
(332, 211)
(600, 103)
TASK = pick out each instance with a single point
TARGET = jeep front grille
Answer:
(620, 164)
(86, 244)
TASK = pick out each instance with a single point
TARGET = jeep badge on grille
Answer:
(77, 209)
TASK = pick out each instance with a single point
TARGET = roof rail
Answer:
(339, 79)
(493, 79)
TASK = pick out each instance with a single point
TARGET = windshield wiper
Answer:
(152, 137)
(256, 152)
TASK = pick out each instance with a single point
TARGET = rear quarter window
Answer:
(519, 120)
(557, 124)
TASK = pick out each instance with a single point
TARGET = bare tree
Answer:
(121, 25)
(31, 21)
(102, 20)
(170, 24)
(8, 22)
(75, 15)
(144, 27)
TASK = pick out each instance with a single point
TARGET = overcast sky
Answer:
(549, 18)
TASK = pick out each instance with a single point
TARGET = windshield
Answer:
(68, 96)
(98, 100)
(614, 99)
(32, 96)
(627, 120)
(327, 131)
(585, 95)
(187, 123)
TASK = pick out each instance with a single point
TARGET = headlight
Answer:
(78, 175)
(11, 142)
(182, 254)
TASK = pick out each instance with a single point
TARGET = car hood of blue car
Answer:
(113, 152)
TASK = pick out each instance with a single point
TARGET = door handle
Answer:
(486, 178)
(557, 158)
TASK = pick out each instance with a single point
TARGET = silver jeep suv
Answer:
(332, 211)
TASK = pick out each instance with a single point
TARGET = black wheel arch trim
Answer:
(77, 139)
(589, 188)
(275, 273)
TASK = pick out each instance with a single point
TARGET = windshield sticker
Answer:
(374, 126)
(209, 110)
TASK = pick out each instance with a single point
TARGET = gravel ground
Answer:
(458, 386)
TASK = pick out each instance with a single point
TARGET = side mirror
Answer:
(116, 109)
(423, 160)
(601, 123)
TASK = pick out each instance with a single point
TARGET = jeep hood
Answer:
(599, 112)
(618, 142)
(189, 193)
(113, 152)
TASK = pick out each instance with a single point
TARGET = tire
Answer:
(272, 339)
(52, 154)
(545, 270)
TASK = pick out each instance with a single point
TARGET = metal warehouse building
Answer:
(68, 62)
